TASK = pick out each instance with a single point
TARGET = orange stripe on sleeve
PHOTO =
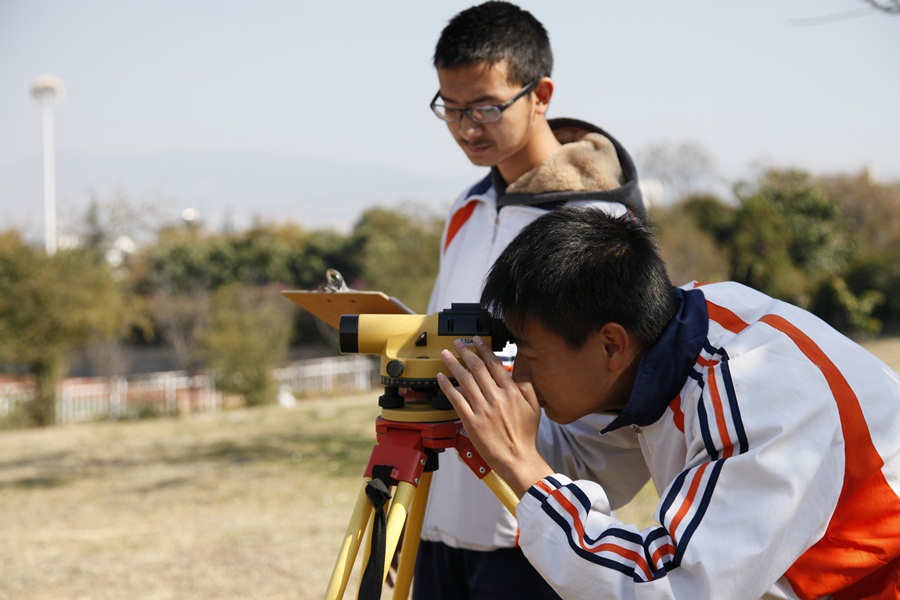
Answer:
(664, 550)
(688, 500)
(706, 362)
(725, 318)
(637, 558)
(728, 448)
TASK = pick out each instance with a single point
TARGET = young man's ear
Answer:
(543, 92)
(619, 346)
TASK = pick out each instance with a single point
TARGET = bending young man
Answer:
(774, 441)
(494, 64)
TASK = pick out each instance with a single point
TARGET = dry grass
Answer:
(239, 504)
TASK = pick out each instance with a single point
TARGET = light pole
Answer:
(49, 90)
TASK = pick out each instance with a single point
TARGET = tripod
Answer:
(409, 439)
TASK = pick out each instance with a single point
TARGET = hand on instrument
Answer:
(500, 416)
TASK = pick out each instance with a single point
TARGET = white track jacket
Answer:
(774, 442)
(462, 512)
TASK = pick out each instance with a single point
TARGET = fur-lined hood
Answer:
(590, 164)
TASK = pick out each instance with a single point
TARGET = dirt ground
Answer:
(237, 504)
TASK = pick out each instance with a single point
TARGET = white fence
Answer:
(339, 375)
(12, 392)
(168, 393)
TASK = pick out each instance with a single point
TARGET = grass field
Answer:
(237, 504)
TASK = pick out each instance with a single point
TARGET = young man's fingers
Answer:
(456, 368)
(468, 391)
(457, 400)
(481, 373)
(494, 364)
(487, 355)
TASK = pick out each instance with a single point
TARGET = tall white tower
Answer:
(49, 90)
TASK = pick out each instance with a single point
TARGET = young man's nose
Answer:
(469, 128)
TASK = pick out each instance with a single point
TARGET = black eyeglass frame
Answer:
(468, 111)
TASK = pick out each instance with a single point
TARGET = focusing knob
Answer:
(394, 368)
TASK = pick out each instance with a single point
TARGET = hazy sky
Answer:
(313, 111)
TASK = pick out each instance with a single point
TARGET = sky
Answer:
(312, 112)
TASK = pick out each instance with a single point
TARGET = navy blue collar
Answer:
(666, 366)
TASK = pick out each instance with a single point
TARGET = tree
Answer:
(877, 276)
(872, 208)
(711, 214)
(789, 236)
(177, 280)
(683, 170)
(398, 252)
(248, 332)
(845, 310)
(693, 237)
(51, 306)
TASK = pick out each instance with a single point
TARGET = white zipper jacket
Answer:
(774, 442)
(592, 168)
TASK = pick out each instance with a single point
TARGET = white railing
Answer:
(167, 393)
(173, 392)
(12, 392)
(326, 377)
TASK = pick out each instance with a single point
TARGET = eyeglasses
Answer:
(479, 114)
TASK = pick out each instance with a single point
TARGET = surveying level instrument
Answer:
(416, 424)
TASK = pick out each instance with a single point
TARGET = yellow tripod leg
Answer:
(367, 540)
(344, 565)
(396, 519)
(502, 490)
(411, 538)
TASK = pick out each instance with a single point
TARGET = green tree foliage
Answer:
(692, 235)
(51, 306)
(285, 254)
(789, 236)
(848, 311)
(398, 253)
(711, 214)
(176, 277)
(877, 276)
(249, 330)
(187, 257)
(830, 244)
(186, 264)
(872, 209)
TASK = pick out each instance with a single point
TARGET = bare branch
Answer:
(891, 7)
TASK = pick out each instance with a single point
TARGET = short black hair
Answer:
(492, 32)
(574, 270)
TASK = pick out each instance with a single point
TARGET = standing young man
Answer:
(494, 64)
(774, 441)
